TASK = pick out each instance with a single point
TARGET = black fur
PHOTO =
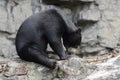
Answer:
(44, 28)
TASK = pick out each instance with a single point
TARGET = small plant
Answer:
(60, 73)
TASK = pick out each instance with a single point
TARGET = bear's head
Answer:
(73, 39)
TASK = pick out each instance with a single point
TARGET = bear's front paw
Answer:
(52, 64)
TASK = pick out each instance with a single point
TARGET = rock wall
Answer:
(98, 19)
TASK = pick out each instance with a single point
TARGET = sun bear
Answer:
(41, 29)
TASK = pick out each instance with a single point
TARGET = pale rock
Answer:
(3, 78)
(106, 4)
(106, 35)
(108, 70)
(7, 49)
(3, 19)
(117, 61)
(73, 66)
(39, 72)
(89, 14)
(101, 29)
(11, 37)
(109, 15)
(21, 12)
(19, 78)
(89, 34)
(103, 34)
(90, 49)
(16, 69)
(90, 42)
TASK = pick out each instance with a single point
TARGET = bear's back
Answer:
(38, 24)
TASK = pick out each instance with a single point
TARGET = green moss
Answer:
(60, 73)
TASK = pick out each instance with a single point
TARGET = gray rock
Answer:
(3, 19)
(11, 37)
(73, 66)
(100, 23)
(117, 61)
(37, 72)
(15, 69)
(106, 4)
(103, 35)
(89, 14)
(19, 78)
(91, 49)
(7, 49)
(24, 10)
(117, 74)
(3, 78)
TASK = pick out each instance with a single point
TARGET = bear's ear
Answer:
(79, 30)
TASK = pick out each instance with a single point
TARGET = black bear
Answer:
(44, 28)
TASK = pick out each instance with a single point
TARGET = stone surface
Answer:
(90, 13)
(105, 32)
(75, 68)
(71, 66)
(100, 24)
(3, 17)
(24, 10)
(106, 70)
(117, 61)
(7, 48)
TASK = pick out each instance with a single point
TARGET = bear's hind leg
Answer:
(40, 58)
(33, 55)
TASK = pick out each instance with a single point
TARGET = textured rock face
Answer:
(98, 19)
(105, 31)
(75, 68)
(13, 13)
(108, 70)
